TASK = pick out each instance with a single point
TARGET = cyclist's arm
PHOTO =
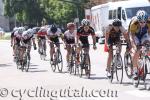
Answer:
(94, 39)
(107, 35)
(33, 40)
(125, 34)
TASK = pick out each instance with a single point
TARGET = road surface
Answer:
(40, 83)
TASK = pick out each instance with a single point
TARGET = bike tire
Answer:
(119, 68)
(128, 65)
(59, 61)
(88, 67)
(146, 67)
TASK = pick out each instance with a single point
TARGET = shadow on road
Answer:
(5, 65)
(98, 78)
(127, 83)
(38, 71)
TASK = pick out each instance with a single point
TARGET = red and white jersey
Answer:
(42, 31)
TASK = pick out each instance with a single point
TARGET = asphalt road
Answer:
(40, 83)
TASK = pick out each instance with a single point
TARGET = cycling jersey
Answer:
(141, 33)
(70, 37)
(54, 36)
(42, 32)
(134, 27)
(27, 35)
(83, 36)
(114, 36)
(17, 34)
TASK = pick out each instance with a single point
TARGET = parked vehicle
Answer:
(103, 15)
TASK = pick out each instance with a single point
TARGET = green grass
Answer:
(5, 37)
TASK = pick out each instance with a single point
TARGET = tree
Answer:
(35, 11)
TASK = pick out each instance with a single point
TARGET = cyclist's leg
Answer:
(29, 49)
(16, 46)
(135, 57)
(110, 54)
(78, 50)
(68, 47)
(51, 51)
(86, 49)
(39, 43)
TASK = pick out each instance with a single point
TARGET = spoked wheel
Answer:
(88, 67)
(119, 68)
(53, 63)
(112, 71)
(27, 63)
(128, 65)
(146, 71)
(59, 61)
(80, 70)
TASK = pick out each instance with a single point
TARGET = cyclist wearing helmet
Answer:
(69, 38)
(112, 37)
(27, 36)
(12, 39)
(82, 35)
(17, 38)
(53, 34)
(139, 29)
(41, 35)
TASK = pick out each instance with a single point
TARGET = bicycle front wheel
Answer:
(146, 71)
(87, 66)
(59, 61)
(128, 65)
(119, 68)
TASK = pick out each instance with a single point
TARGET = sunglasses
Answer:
(142, 22)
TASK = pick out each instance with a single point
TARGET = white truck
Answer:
(103, 15)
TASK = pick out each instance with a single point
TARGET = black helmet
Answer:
(53, 28)
(117, 22)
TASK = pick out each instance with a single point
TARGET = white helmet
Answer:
(15, 29)
(30, 31)
(21, 30)
(85, 22)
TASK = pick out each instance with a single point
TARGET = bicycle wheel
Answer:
(59, 61)
(146, 71)
(27, 62)
(119, 68)
(128, 65)
(112, 71)
(71, 65)
(53, 63)
(87, 66)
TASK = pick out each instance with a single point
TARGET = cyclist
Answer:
(12, 39)
(41, 35)
(139, 29)
(53, 34)
(16, 38)
(112, 37)
(27, 36)
(69, 38)
(82, 36)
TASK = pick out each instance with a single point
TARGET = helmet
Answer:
(36, 29)
(141, 15)
(70, 25)
(15, 29)
(53, 28)
(21, 29)
(85, 22)
(117, 22)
